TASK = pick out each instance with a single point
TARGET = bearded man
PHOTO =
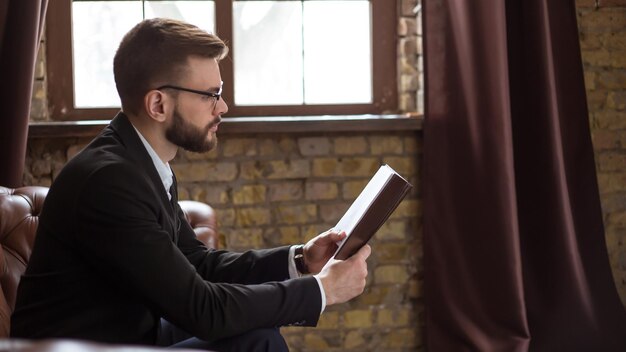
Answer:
(114, 259)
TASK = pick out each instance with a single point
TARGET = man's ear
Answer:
(155, 104)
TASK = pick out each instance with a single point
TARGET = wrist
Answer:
(298, 259)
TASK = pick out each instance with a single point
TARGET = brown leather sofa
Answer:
(19, 217)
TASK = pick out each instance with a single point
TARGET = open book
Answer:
(370, 210)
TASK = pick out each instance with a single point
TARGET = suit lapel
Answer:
(136, 150)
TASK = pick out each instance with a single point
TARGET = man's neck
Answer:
(153, 133)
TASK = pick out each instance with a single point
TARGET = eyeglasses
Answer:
(205, 93)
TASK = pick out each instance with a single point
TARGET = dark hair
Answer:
(155, 52)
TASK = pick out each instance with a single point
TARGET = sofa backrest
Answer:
(19, 217)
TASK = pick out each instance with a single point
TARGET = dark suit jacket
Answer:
(113, 255)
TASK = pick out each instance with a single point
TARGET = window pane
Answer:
(267, 44)
(98, 28)
(337, 52)
(199, 13)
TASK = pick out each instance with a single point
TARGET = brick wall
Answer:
(271, 190)
(602, 28)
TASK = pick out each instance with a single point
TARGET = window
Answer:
(288, 57)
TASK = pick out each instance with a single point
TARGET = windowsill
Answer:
(268, 124)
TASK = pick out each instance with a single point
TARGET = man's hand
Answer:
(345, 279)
(319, 250)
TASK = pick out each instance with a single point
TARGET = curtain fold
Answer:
(514, 250)
(21, 25)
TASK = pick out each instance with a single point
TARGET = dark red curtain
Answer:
(514, 250)
(21, 24)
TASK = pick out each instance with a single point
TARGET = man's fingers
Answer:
(363, 253)
(330, 237)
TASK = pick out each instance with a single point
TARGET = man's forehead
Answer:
(203, 71)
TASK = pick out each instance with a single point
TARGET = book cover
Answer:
(369, 211)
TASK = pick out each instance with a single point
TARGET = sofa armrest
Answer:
(203, 220)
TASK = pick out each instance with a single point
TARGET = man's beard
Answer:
(189, 137)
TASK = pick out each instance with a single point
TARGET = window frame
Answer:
(384, 73)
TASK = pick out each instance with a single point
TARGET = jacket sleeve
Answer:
(250, 267)
(118, 229)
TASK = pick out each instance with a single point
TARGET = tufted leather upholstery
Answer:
(19, 217)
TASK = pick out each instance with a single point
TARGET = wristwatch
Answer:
(298, 258)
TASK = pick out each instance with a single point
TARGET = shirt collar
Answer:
(163, 169)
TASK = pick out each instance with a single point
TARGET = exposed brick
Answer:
(289, 234)
(275, 169)
(409, 83)
(349, 167)
(386, 145)
(226, 217)
(585, 3)
(191, 156)
(611, 120)
(613, 202)
(612, 162)
(612, 3)
(612, 182)
(241, 238)
(249, 194)
(407, 46)
(411, 145)
(617, 100)
(296, 214)
(321, 190)
(357, 319)
(354, 339)
(598, 58)
(617, 219)
(239, 146)
(408, 102)
(407, 7)
(604, 139)
(247, 217)
(333, 212)
(73, 149)
(391, 252)
(42, 167)
(285, 169)
(284, 191)
(310, 231)
(352, 189)
(282, 146)
(390, 274)
(39, 102)
(407, 26)
(615, 41)
(405, 166)
(315, 341)
(328, 320)
(310, 146)
(395, 317)
(392, 230)
(205, 171)
(401, 338)
(350, 145)
(211, 194)
(407, 208)
(596, 99)
(614, 79)
(590, 80)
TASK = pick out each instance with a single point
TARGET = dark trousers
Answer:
(260, 340)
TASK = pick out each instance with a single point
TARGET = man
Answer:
(114, 259)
